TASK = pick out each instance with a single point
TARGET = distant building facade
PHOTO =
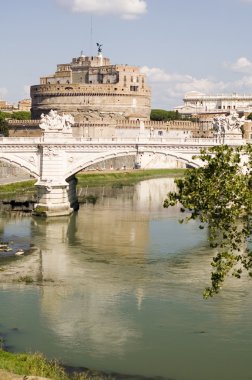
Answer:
(198, 103)
(92, 88)
(24, 105)
(5, 106)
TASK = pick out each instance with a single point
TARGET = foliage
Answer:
(37, 365)
(21, 115)
(163, 115)
(220, 194)
(249, 117)
(4, 130)
(4, 116)
(17, 115)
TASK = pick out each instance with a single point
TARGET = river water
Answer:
(117, 287)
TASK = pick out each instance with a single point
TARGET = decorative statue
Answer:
(99, 47)
(230, 123)
(53, 121)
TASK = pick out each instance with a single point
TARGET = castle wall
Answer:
(85, 103)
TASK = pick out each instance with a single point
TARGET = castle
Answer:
(91, 88)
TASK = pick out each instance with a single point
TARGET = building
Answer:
(196, 103)
(24, 105)
(92, 88)
(5, 106)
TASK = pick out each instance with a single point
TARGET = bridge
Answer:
(56, 157)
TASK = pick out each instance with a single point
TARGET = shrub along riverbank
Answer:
(37, 365)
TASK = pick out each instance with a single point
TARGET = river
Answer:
(118, 286)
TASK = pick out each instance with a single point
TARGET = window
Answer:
(133, 88)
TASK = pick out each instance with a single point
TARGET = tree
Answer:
(163, 115)
(4, 130)
(4, 116)
(219, 195)
(3, 124)
(21, 115)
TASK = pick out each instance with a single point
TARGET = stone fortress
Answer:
(111, 101)
(91, 88)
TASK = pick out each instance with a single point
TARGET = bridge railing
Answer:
(152, 140)
(117, 140)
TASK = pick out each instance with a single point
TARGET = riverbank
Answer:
(37, 367)
(93, 179)
(124, 177)
(18, 187)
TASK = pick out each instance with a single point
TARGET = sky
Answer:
(181, 45)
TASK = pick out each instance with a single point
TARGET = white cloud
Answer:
(241, 65)
(168, 89)
(3, 92)
(127, 9)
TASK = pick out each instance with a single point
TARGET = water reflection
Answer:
(122, 284)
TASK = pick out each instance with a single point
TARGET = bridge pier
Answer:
(55, 198)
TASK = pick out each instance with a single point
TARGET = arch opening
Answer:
(10, 170)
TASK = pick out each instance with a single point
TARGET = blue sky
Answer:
(181, 45)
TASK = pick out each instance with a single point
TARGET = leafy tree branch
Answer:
(219, 194)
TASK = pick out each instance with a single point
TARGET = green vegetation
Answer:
(18, 115)
(40, 210)
(163, 115)
(249, 117)
(18, 187)
(26, 279)
(4, 116)
(21, 115)
(123, 178)
(37, 365)
(114, 179)
(219, 194)
(3, 124)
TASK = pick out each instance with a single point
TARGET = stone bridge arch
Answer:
(85, 162)
(82, 161)
(21, 163)
(147, 158)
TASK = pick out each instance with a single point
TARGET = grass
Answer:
(118, 179)
(37, 365)
(26, 279)
(18, 187)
